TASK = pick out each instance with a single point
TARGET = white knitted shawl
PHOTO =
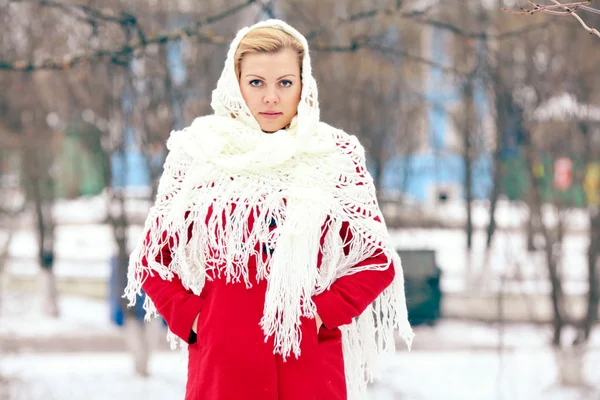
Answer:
(309, 177)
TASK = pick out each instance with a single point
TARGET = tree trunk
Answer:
(136, 338)
(50, 291)
(42, 192)
(570, 363)
(134, 330)
(4, 257)
(378, 172)
(501, 106)
(530, 227)
(593, 297)
(468, 157)
(557, 295)
(496, 177)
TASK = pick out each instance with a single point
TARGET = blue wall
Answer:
(424, 170)
(439, 164)
(136, 173)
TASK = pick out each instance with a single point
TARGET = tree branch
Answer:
(362, 15)
(267, 8)
(560, 9)
(91, 16)
(482, 35)
(119, 54)
(82, 12)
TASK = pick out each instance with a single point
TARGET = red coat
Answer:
(230, 359)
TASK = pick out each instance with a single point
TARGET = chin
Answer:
(271, 128)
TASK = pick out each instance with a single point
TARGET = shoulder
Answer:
(350, 150)
(345, 142)
(189, 137)
(178, 138)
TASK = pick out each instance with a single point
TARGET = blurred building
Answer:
(435, 171)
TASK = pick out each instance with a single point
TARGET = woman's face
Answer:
(271, 86)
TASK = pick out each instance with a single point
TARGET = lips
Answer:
(270, 114)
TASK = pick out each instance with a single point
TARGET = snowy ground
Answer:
(92, 376)
(84, 244)
(93, 209)
(83, 252)
(483, 375)
(451, 361)
(443, 375)
(81, 355)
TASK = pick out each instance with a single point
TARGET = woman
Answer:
(265, 251)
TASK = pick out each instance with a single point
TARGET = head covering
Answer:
(311, 178)
(227, 98)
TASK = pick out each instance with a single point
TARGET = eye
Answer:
(286, 83)
(255, 82)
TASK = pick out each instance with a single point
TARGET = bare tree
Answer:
(41, 189)
(26, 114)
(522, 74)
(583, 145)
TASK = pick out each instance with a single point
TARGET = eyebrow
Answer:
(260, 77)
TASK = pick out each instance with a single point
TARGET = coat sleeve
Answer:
(177, 305)
(350, 295)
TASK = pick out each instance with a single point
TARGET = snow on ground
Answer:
(464, 375)
(441, 375)
(87, 209)
(94, 209)
(419, 375)
(509, 215)
(21, 316)
(93, 376)
(508, 257)
(84, 244)
(84, 251)
(453, 360)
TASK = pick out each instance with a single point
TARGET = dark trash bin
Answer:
(422, 285)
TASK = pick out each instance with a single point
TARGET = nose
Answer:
(271, 97)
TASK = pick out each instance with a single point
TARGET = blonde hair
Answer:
(266, 40)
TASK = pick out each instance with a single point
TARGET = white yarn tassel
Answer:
(371, 335)
(293, 276)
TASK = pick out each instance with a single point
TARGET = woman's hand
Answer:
(319, 322)
(195, 324)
